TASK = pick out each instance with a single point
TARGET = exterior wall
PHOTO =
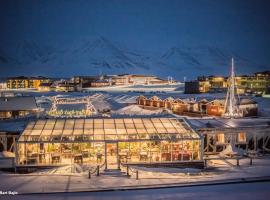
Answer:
(119, 80)
(180, 108)
(168, 104)
(100, 84)
(44, 88)
(21, 83)
(192, 87)
(152, 151)
(161, 104)
(5, 115)
(247, 138)
(136, 79)
(3, 85)
(65, 88)
(14, 114)
(148, 102)
(155, 103)
(215, 110)
(257, 83)
(249, 110)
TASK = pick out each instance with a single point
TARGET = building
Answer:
(192, 107)
(109, 80)
(83, 81)
(239, 133)
(45, 87)
(110, 142)
(255, 84)
(212, 84)
(134, 79)
(248, 107)
(193, 87)
(215, 107)
(3, 84)
(65, 86)
(22, 82)
(100, 83)
(14, 107)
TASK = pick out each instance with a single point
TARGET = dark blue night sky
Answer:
(163, 37)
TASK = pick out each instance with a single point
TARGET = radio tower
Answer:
(231, 109)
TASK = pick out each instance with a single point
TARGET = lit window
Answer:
(241, 137)
(220, 138)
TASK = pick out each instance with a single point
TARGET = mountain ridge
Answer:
(99, 54)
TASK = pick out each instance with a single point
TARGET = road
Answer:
(246, 191)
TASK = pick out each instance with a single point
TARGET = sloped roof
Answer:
(247, 101)
(107, 130)
(17, 103)
(156, 98)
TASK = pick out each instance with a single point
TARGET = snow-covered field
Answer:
(119, 104)
(219, 172)
(176, 88)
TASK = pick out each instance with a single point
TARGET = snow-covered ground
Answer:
(120, 104)
(218, 171)
(176, 88)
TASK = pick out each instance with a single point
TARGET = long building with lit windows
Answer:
(134, 141)
(257, 83)
(22, 82)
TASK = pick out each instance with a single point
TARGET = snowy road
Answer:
(258, 191)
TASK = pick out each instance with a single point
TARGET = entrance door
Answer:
(111, 155)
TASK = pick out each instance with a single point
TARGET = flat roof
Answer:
(220, 123)
(100, 130)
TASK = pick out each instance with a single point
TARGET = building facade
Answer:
(192, 107)
(137, 141)
(257, 83)
(22, 82)
(15, 107)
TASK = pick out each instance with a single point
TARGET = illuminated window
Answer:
(220, 138)
(241, 137)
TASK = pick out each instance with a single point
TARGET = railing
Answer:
(129, 169)
(237, 158)
(96, 170)
(102, 165)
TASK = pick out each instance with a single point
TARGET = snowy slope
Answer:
(99, 55)
(205, 60)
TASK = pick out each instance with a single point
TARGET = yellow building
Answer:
(212, 83)
(257, 83)
(254, 84)
(204, 86)
(22, 82)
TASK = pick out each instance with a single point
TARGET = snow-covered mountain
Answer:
(205, 60)
(99, 55)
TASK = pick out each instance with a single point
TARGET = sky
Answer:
(145, 25)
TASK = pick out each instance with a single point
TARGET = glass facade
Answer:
(95, 141)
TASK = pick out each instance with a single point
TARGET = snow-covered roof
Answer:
(247, 101)
(17, 103)
(137, 110)
(229, 123)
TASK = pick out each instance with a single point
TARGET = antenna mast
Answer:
(231, 108)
